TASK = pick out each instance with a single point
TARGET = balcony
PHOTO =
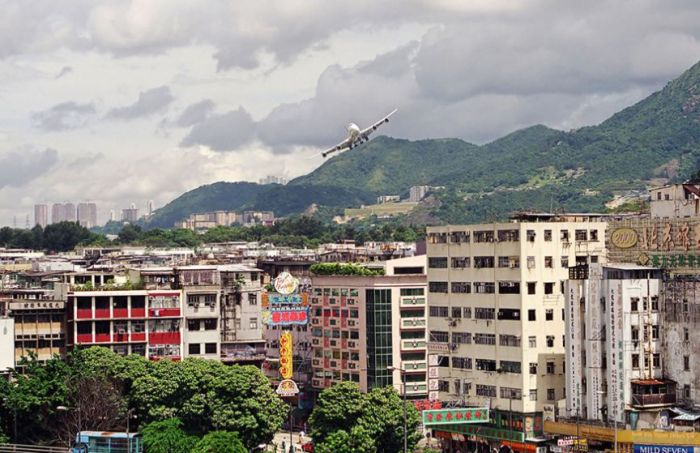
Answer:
(138, 336)
(353, 344)
(120, 338)
(83, 338)
(84, 313)
(412, 302)
(653, 393)
(416, 388)
(102, 338)
(164, 338)
(163, 312)
(413, 323)
(413, 345)
(414, 365)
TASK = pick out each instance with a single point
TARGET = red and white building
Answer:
(144, 322)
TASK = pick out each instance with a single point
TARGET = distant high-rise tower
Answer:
(149, 208)
(130, 214)
(41, 215)
(112, 215)
(63, 212)
(87, 214)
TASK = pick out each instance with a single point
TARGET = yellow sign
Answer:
(287, 388)
(286, 368)
(624, 238)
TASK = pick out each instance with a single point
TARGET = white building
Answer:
(496, 318)
(613, 347)
(417, 193)
(675, 200)
(7, 344)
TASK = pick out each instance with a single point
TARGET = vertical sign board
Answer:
(615, 354)
(573, 352)
(433, 383)
(594, 347)
(286, 356)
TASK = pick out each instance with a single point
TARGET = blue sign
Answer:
(279, 299)
(662, 449)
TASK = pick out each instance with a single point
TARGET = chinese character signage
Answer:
(286, 364)
(655, 242)
(286, 306)
(439, 417)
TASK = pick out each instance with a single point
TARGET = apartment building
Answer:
(87, 214)
(371, 329)
(147, 323)
(496, 316)
(62, 212)
(614, 348)
(41, 215)
(675, 200)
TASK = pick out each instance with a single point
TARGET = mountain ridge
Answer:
(536, 167)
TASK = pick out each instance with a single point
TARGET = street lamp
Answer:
(403, 391)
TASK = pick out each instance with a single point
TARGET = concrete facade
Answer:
(675, 201)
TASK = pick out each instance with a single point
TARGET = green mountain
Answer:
(653, 141)
(226, 196)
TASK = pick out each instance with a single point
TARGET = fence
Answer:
(18, 448)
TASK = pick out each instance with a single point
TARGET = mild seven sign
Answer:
(662, 449)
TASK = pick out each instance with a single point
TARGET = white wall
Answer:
(7, 343)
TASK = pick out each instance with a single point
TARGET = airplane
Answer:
(356, 136)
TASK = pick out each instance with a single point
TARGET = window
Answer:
(686, 363)
(594, 259)
(531, 235)
(634, 304)
(210, 324)
(510, 367)
(549, 314)
(686, 334)
(484, 287)
(484, 313)
(194, 349)
(509, 314)
(686, 391)
(439, 336)
(483, 262)
(531, 287)
(667, 196)
(467, 312)
(658, 195)
(193, 324)
(253, 323)
(550, 341)
(485, 365)
(509, 287)
(508, 235)
(594, 235)
(511, 393)
(461, 338)
(512, 262)
(464, 363)
(549, 288)
(460, 262)
(443, 385)
(458, 237)
(409, 292)
(439, 311)
(551, 395)
(531, 316)
(530, 262)
(456, 312)
(551, 368)
(532, 341)
(564, 261)
(252, 299)
(533, 367)
(486, 390)
(655, 332)
(635, 360)
(461, 287)
(655, 303)
(485, 338)
(210, 348)
(437, 287)
(509, 340)
(533, 394)
(437, 262)
(581, 235)
(548, 235)
(656, 360)
(548, 262)
(564, 235)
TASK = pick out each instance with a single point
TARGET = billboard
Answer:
(287, 306)
(286, 363)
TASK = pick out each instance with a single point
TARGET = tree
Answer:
(129, 233)
(343, 413)
(340, 441)
(337, 408)
(208, 395)
(64, 236)
(167, 436)
(220, 442)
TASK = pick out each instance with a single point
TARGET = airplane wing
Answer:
(342, 146)
(366, 132)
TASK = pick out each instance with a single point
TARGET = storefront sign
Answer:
(624, 238)
(287, 388)
(460, 415)
(285, 316)
(663, 449)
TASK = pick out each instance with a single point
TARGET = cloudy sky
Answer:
(125, 101)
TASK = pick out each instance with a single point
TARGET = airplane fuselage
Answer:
(353, 131)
